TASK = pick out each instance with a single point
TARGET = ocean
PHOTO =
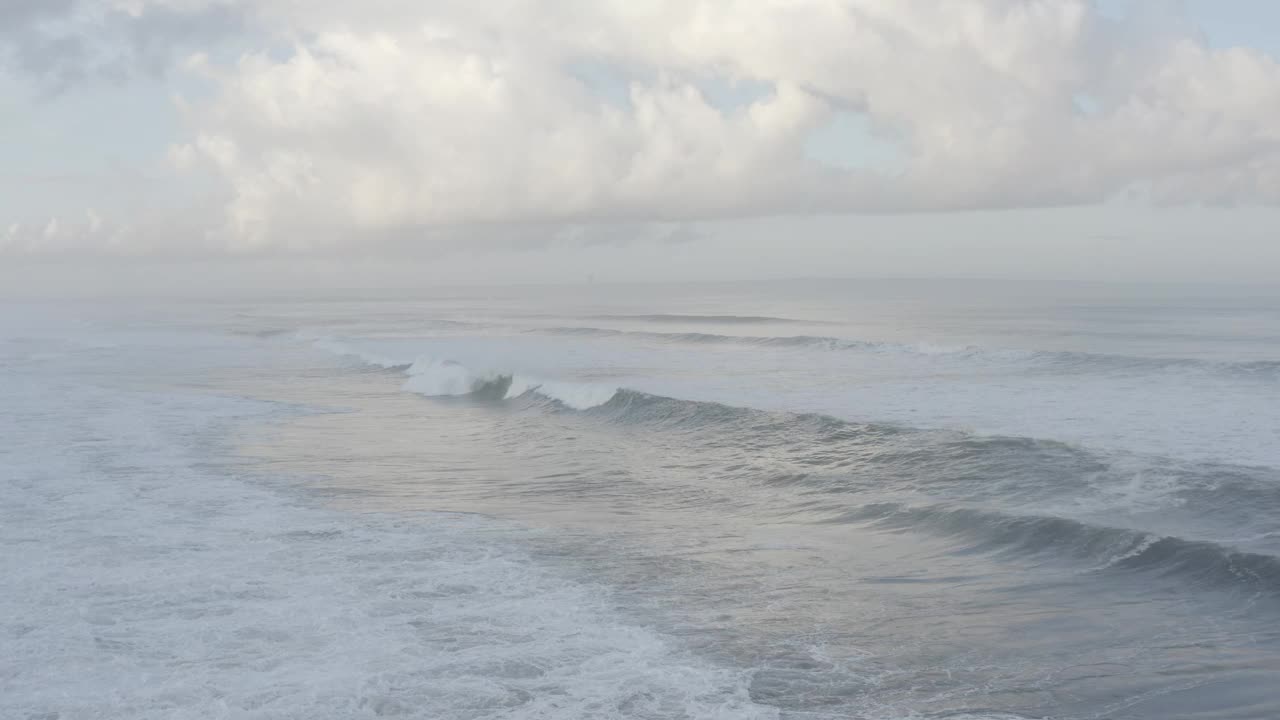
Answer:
(874, 499)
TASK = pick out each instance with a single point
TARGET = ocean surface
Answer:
(881, 500)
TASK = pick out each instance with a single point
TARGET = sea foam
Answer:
(437, 377)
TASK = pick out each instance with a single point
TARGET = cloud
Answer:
(404, 119)
(18, 13)
(61, 44)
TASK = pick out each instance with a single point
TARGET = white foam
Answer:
(579, 396)
(146, 578)
(441, 377)
(434, 377)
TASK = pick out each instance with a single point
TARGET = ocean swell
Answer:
(1103, 549)
(1056, 360)
(705, 319)
(844, 462)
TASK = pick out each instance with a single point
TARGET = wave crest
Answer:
(436, 377)
(433, 377)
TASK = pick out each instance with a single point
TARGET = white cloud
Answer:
(11, 237)
(361, 121)
(450, 113)
(63, 44)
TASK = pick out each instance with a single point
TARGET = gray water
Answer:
(789, 500)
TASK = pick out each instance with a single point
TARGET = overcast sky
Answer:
(643, 139)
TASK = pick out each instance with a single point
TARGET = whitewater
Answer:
(787, 500)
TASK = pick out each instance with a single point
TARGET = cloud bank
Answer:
(319, 123)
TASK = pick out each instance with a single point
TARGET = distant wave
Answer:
(264, 333)
(1057, 360)
(800, 341)
(814, 341)
(342, 349)
(1203, 564)
(708, 319)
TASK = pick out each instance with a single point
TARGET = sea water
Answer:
(854, 499)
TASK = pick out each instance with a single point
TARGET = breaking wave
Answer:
(433, 377)
(836, 459)
(436, 377)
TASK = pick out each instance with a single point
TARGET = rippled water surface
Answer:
(790, 500)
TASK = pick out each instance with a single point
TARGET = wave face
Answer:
(1197, 564)
(991, 493)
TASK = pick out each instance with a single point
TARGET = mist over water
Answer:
(782, 500)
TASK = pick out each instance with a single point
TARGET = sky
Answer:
(556, 140)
